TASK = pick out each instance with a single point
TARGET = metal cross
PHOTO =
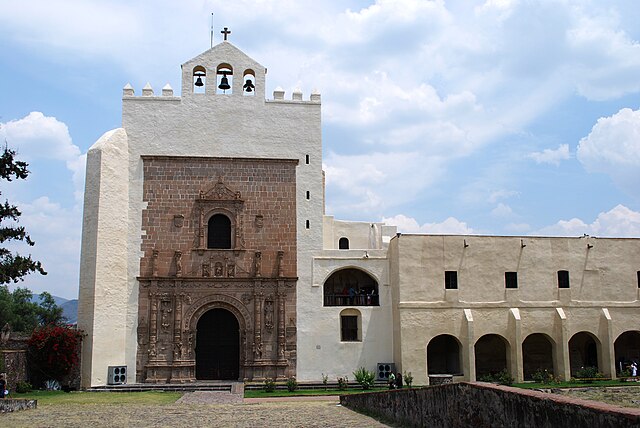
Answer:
(225, 32)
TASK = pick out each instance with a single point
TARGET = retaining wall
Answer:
(11, 405)
(486, 405)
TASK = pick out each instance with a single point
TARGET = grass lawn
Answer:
(260, 393)
(576, 384)
(59, 397)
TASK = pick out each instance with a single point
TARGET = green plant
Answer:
(53, 351)
(269, 385)
(624, 373)
(364, 377)
(502, 377)
(292, 384)
(343, 383)
(543, 376)
(588, 374)
(325, 380)
(23, 387)
(408, 378)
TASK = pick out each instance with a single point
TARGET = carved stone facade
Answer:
(254, 279)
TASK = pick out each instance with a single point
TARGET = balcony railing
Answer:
(346, 300)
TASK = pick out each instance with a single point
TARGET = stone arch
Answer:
(584, 351)
(444, 355)
(351, 286)
(232, 305)
(627, 349)
(492, 355)
(199, 79)
(538, 350)
(249, 82)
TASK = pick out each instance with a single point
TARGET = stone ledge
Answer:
(12, 405)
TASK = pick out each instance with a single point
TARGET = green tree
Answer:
(18, 309)
(13, 267)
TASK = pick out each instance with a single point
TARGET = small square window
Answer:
(511, 279)
(451, 280)
(563, 279)
(349, 328)
(638, 273)
(308, 194)
(307, 159)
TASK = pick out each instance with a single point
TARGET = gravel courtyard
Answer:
(195, 411)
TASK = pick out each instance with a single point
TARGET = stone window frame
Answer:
(511, 280)
(232, 227)
(563, 279)
(450, 279)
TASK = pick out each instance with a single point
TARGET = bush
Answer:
(325, 379)
(23, 387)
(408, 378)
(343, 383)
(543, 376)
(364, 377)
(502, 377)
(588, 374)
(269, 385)
(292, 384)
(53, 351)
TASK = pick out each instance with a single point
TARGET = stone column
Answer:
(562, 362)
(470, 360)
(282, 297)
(516, 347)
(177, 328)
(608, 362)
(153, 321)
(257, 311)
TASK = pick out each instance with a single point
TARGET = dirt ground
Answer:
(619, 396)
(192, 413)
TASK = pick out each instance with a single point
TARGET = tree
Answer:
(18, 309)
(13, 267)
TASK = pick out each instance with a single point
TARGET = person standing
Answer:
(392, 380)
(634, 369)
(399, 380)
(3, 384)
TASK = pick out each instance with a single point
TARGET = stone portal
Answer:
(218, 346)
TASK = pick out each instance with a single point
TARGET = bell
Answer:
(248, 86)
(224, 83)
(199, 82)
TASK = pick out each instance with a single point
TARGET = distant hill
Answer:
(69, 307)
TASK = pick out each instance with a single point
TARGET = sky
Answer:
(501, 117)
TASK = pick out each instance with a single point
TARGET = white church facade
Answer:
(206, 254)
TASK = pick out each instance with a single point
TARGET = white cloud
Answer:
(39, 137)
(620, 221)
(497, 195)
(613, 147)
(502, 210)
(552, 156)
(450, 226)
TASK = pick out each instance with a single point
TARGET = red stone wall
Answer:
(172, 186)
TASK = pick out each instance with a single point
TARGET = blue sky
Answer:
(489, 117)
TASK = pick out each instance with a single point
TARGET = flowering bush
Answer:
(53, 351)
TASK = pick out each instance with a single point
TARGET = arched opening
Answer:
(224, 81)
(249, 85)
(199, 79)
(343, 243)
(443, 355)
(537, 354)
(351, 287)
(627, 350)
(491, 355)
(350, 325)
(219, 232)
(218, 346)
(583, 352)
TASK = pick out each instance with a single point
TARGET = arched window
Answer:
(350, 325)
(249, 83)
(351, 287)
(199, 79)
(224, 79)
(343, 244)
(219, 232)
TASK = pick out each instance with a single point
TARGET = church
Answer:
(207, 255)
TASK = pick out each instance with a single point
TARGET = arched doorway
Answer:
(583, 351)
(218, 346)
(443, 355)
(491, 355)
(627, 349)
(537, 354)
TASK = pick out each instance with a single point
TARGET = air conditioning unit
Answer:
(384, 370)
(117, 375)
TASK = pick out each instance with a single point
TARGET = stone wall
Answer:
(7, 406)
(485, 405)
